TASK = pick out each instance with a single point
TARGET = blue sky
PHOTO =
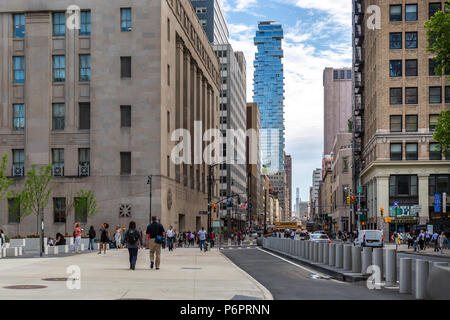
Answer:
(317, 35)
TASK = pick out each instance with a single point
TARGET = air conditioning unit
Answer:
(58, 170)
(18, 171)
(84, 170)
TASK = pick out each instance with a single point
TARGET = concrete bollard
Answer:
(320, 257)
(326, 253)
(339, 255)
(315, 252)
(332, 255)
(391, 267)
(405, 275)
(348, 257)
(366, 260)
(421, 278)
(378, 260)
(356, 259)
(310, 250)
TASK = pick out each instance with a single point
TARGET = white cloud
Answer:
(238, 5)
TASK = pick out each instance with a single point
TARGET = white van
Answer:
(369, 238)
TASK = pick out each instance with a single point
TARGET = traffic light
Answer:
(348, 200)
(353, 199)
(382, 211)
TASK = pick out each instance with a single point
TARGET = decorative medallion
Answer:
(125, 211)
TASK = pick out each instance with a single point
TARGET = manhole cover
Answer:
(188, 268)
(25, 287)
(55, 279)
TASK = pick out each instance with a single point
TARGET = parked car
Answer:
(369, 238)
(319, 237)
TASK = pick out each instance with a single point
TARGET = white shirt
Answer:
(170, 233)
(202, 234)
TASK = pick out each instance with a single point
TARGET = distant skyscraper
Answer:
(288, 169)
(269, 93)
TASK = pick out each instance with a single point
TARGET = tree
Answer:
(85, 204)
(439, 39)
(35, 194)
(442, 131)
(5, 182)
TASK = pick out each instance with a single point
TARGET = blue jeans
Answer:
(133, 256)
(170, 243)
(91, 244)
(202, 245)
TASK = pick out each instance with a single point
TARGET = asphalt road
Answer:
(287, 280)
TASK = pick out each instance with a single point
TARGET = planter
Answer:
(69, 241)
(52, 250)
(17, 242)
(85, 241)
(63, 249)
(33, 244)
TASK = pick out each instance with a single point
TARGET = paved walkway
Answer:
(427, 252)
(185, 274)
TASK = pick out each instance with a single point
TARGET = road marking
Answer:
(301, 267)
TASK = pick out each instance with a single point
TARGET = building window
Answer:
(345, 165)
(84, 116)
(411, 151)
(433, 8)
(342, 74)
(84, 156)
(203, 22)
(411, 68)
(395, 40)
(200, 10)
(19, 69)
(411, 96)
(19, 25)
(396, 151)
(18, 157)
(125, 163)
(403, 186)
(432, 65)
(59, 68)
(433, 121)
(396, 13)
(395, 67)
(59, 24)
(59, 210)
(435, 151)
(335, 75)
(411, 40)
(349, 74)
(411, 12)
(435, 95)
(58, 157)
(411, 123)
(395, 123)
(125, 116)
(125, 67)
(438, 184)
(125, 19)
(85, 67)
(85, 26)
(396, 96)
(13, 210)
(447, 94)
(58, 116)
(18, 116)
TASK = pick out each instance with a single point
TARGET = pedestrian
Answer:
(415, 243)
(213, 238)
(427, 238)
(60, 240)
(91, 234)
(77, 238)
(442, 241)
(421, 239)
(104, 237)
(133, 239)
(409, 239)
(202, 239)
(434, 240)
(170, 238)
(2, 239)
(155, 232)
(117, 237)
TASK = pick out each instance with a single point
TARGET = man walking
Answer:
(202, 238)
(170, 238)
(434, 239)
(155, 231)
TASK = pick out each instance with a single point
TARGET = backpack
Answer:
(132, 237)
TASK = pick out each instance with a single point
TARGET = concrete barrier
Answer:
(356, 259)
(326, 253)
(17, 242)
(11, 252)
(405, 275)
(366, 259)
(339, 255)
(348, 257)
(34, 244)
(422, 270)
(332, 255)
(378, 260)
(53, 250)
(391, 267)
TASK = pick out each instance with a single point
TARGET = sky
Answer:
(317, 34)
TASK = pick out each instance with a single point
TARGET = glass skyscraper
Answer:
(269, 94)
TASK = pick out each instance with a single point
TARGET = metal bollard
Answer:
(366, 259)
(378, 260)
(356, 260)
(348, 257)
(310, 250)
(332, 255)
(339, 255)
(326, 253)
(391, 267)
(405, 275)
(320, 256)
(316, 252)
(421, 278)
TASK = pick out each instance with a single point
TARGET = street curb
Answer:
(266, 293)
(424, 254)
(341, 276)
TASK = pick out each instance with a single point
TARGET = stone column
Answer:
(423, 198)
(383, 201)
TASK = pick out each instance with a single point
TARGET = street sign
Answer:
(203, 212)
(395, 204)
(437, 202)
(360, 189)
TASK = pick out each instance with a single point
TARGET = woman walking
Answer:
(104, 237)
(117, 237)
(77, 236)
(133, 239)
(92, 235)
(442, 242)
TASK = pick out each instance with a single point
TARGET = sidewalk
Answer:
(185, 274)
(428, 252)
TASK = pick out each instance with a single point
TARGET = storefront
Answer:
(439, 201)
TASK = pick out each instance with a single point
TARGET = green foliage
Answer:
(438, 32)
(5, 182)
(85, 203)
(350, 125)
(442, 131)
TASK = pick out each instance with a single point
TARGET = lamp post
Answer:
(149, 182)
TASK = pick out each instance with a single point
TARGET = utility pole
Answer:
(41, 214)
(265, 211)
(149, 182)
(209, 197)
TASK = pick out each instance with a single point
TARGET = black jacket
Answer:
(92, 234)
(155, 229)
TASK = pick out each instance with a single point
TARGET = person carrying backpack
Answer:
(155, 231)
(133, 239)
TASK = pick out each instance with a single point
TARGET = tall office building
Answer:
(314, 191)
(210, 15)
(255, 207)
(288, 191)
(100, 103)
(397, 100)
(269, 93)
